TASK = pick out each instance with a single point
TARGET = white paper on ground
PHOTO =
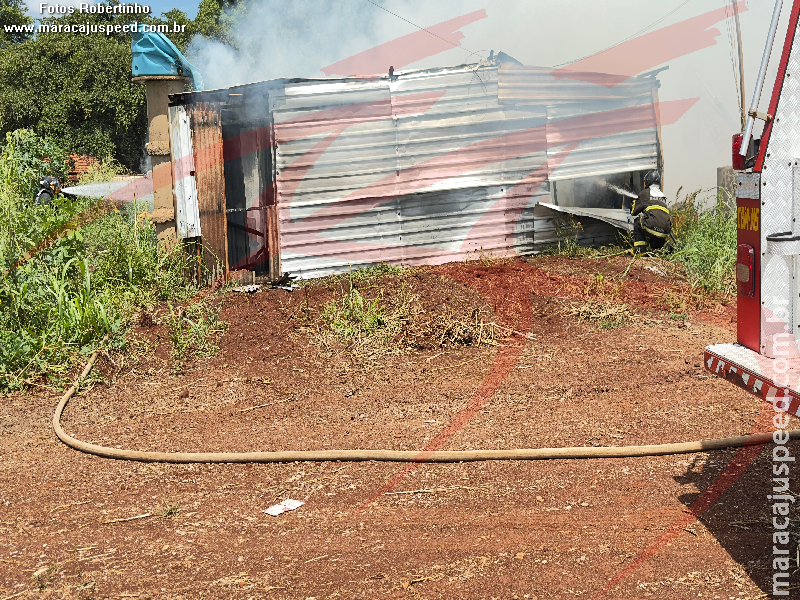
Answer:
(285, 506)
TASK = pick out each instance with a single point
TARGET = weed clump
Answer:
(365, 326)
(393, 320)
(58, 301)
(706, 241)
(193, 329)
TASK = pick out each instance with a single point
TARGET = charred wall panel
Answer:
(249, 189)
(234, 192)
(210, 177)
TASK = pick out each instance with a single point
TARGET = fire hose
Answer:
(438, 456)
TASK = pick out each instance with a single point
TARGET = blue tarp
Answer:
(154, 54)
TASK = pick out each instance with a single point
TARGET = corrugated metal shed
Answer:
(423, 167)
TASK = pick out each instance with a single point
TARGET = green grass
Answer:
(363, 322)
(355, 315)
(57, 306)
(193, 329)
(706, 240)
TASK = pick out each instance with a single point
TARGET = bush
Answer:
(706, 241)
(56, 305)
(26, 158)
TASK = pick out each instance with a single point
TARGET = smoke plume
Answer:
(285, 39)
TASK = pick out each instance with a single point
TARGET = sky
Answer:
(539, 33)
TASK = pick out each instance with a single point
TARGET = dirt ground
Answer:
(510, 530)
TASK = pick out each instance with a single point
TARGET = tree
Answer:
(77, 88)
(213, 21)
(12, 13)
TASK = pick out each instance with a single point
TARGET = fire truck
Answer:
(765, 361)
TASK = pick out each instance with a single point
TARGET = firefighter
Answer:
(651, 222)
(49, 188)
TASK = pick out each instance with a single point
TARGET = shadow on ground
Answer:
(741, 520)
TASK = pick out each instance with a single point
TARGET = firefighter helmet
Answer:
(652, 178)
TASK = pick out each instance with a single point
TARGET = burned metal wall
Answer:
(423, 167)
(248, 188)
(552, 228)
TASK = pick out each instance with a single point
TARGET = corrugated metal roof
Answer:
(613, 216)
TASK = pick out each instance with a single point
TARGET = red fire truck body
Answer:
(765, 360)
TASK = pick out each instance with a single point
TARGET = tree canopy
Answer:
(213, 21)
(12, 12)
(77, 88)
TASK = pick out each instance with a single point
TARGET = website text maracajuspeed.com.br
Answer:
(89, 28)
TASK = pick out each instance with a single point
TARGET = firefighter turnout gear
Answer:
(49, 187)
(651, 222)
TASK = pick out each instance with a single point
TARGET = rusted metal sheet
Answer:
(210, 178)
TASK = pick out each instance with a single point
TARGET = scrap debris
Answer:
(285, 282)
(248, 289)
(655, 270)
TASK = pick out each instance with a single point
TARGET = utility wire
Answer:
(425, 30)
(628, 39)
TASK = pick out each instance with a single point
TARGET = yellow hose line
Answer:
(439, 456)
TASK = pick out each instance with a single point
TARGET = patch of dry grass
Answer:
(609, 315)
(366, 322)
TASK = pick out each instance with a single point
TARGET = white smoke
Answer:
(285, 39)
